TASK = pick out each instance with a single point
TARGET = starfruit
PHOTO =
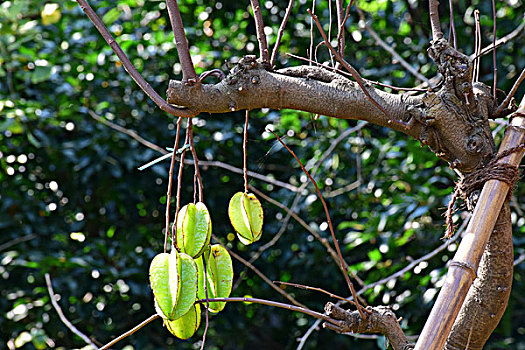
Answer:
(184, 327)
(246, 215)
(193, 229)
(219, 276)
(165, 281)
(173, 279)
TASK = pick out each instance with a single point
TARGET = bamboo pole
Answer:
(462, 270)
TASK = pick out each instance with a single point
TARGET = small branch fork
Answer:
(133, 72)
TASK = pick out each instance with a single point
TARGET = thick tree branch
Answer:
(305, 88)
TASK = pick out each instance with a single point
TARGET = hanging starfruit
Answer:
(219, 276)
(165, 281)
(246, 215)
(193, 229)
(188, 286)
(184, 327)
(173, 279)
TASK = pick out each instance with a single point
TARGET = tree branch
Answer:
(380, 319)
(133, 72)
(305, 88)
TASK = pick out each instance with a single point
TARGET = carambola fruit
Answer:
(184, 327)
(246, 215)
(193, 229)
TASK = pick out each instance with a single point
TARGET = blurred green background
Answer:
(74, 205)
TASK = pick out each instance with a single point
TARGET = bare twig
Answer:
(133, 72)
(301, 222)
(350, 75)
(311, 53)
(390, 50)
(63, 318)
(354, 73)
(130, 332)
(197, 176)
(506, 102)
(273, 303)
(452, 34)
(281, 32)
(316, 289)
(244, 152)
(502, 41)
(211, 163)
(340, 26)
(179, 186)
(259, 25)
(341, 32)
(477, 48)
(336, 244)
(16, 241)
(170, 185)
(494, 19)
(188, 71)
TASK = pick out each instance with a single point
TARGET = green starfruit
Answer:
(184, 327)
(165, 282)
(246, 215)
(193, 229)
(219, 276)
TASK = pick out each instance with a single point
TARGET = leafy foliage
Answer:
(73, 204)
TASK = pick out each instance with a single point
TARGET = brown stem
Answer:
(336, 244)
(197, 176)
(130, 68)
(170, 184)
(179, 187)
(130, 332)
(244, 152)
(354, 73)
(188, 71)
(452, 34)
(281, 32)
(259, 25)
(494, 86)
(509, 97)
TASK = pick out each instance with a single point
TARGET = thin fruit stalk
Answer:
(489, 294)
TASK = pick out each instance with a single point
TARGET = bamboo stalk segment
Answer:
(462, 270)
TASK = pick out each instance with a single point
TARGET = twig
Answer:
(310, 54)
(341, 31)
(519, 260)
(452, 34)
(197, 175)
(301, 222)
(17, 240)
(130, 68)
(390, 50)
(477, 47)
(506, 102)
(354, 73)
(259, 25)
(395, 275)
(170, 185)
(502, 41)
(211, 163)
(336, 244)
(179, 187)
(130, 332)
(321, 290)
(260, 274)
(340, 24)
(281, 32)
(63, 318)
(188, 71)
(244, 152)
(495, 69)
(350, 75)
(273, 303)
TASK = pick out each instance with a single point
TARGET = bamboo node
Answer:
(466, 266)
